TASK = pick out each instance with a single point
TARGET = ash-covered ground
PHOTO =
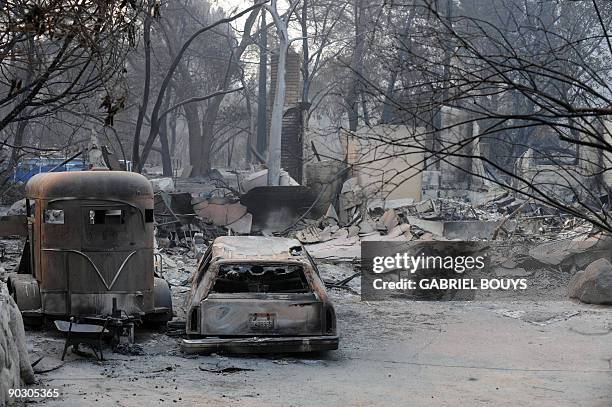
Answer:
(545, 352)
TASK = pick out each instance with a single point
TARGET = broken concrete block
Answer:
(311, 234)
(398, 233)
(342, 249)
(353, 231)
(389, 219)
(340, 233)
(403, 229)
(367, 225)
(327, 233)
(425, 206)
(256, 179)
(594, 284)
(162, 184)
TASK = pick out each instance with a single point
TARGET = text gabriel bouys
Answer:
(451, 284)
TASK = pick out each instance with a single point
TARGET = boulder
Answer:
(573, 253)
(594, 284)
(15, 368)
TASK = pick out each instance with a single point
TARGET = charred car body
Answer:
(259, 294)
(89, 250)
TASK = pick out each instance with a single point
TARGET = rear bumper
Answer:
(260, 344)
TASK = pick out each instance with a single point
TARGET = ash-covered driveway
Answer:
(391, 354)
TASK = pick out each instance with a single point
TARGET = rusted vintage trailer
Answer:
(89, 251)
(259, 294)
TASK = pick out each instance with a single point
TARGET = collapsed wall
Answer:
(15, 368)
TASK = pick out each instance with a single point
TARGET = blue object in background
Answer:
(29, 167)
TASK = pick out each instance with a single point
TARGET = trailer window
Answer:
(54, 216)
(258, 278)
(106, 217)
(149, 216)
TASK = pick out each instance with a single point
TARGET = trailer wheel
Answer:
(26, 294)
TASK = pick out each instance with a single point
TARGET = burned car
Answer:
(89, 251)
(258, 294)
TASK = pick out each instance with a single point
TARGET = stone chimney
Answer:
(291, 143)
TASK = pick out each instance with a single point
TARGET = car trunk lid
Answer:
(261, 314)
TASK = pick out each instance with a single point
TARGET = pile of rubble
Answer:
(192, 213)
(227, 202)
(337, 235)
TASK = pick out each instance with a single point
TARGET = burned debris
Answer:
(256, 294)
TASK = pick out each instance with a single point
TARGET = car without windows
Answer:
(259, 294)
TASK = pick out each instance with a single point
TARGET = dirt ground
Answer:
(392, 353)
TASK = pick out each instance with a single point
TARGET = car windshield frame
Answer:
(260, 280)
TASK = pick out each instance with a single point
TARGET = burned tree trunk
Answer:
(276, 122)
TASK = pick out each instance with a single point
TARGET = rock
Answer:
(579, 253)
(18, 330)
(594, 284)
(15, 368)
